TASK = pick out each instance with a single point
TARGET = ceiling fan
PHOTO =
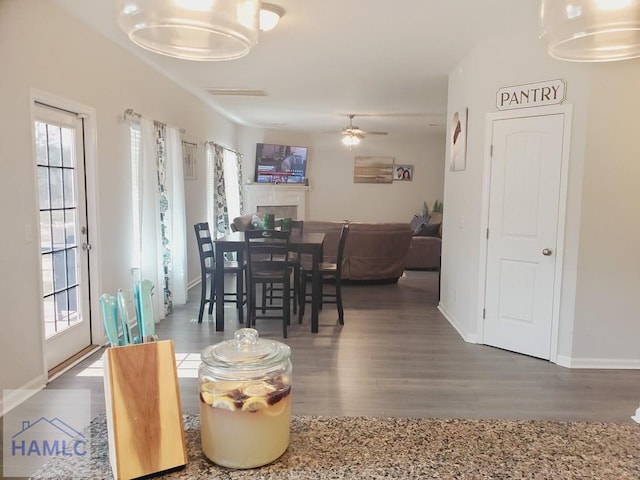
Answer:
(352, 134)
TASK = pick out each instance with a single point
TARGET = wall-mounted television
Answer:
(280, 163)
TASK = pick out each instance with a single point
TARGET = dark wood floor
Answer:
(396, 355)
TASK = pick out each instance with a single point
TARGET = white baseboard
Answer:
(561, 360)
(12, 398)
(600, 363)
(466, 336)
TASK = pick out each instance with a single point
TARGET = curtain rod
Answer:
(190, 143)
(130, 112)
(225, 148)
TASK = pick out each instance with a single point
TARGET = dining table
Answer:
(302, 243)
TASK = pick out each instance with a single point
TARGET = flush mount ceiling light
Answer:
(591, 30)
(270, 15)
(191, 29)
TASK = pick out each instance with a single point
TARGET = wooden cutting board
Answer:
(144, 413)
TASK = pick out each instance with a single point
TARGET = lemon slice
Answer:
(261, 389)
(223, 402)
(254, 404)
(227, 386)
(208, 397)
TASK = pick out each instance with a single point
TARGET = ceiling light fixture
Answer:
(270, 15)
(351, 140)
(591, 30)
(191, 29)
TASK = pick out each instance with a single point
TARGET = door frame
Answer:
(490, 118)
(88, 114)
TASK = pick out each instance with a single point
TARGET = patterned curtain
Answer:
(165, 213)
(240, 181)
(220, 214)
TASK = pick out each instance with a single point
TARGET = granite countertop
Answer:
(405, 448)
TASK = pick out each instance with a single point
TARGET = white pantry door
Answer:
(524, 201)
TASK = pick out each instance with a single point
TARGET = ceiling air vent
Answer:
(237, 91)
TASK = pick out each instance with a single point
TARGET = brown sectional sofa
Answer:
(425, 249)
(374, 252)
(424, 253)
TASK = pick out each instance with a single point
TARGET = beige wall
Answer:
(608, 278)
(43, 48)
(334, 196)
(603, 96)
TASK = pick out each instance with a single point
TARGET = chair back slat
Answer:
(344, 232)
(205, 245)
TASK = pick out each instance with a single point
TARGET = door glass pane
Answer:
(47, 274)
(49, 316)
(45, 231)
(41, 143)
(62, 311)
(57, 229)
(70, 228)
(55, 186)
(43, 187)
(54, 144)
(59, 270)
(72, 262)
(73, 314)
(69, 190)
(67, 147)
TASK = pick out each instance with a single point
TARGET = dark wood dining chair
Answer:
(296, 227)
(207, 274)
(331, 272)
(267, 253)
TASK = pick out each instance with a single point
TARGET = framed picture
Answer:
(373, 170)
(458, 141)
(189, 160)
(403, 172)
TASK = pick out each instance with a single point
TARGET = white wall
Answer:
(523, 59)
(42, 47)
(334, 195)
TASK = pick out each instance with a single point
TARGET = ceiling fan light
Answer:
(350, 140)
(202, 30)
(591, 30)
(270, 15)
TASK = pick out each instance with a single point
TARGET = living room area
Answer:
(414, 348)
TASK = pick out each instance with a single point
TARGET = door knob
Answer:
(547, 251)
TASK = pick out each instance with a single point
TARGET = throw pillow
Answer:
(417, 222)
(428, 230)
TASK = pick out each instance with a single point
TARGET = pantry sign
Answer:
(551, 92)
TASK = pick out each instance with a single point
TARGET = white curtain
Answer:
(151, 264)
(175, 191)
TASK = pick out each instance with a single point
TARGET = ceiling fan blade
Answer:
(367, 132)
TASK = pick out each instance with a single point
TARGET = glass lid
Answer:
(246, 352)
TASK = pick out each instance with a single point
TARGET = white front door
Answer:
(64, 246)
(524, 206)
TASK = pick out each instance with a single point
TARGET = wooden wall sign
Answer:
(551, 92)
